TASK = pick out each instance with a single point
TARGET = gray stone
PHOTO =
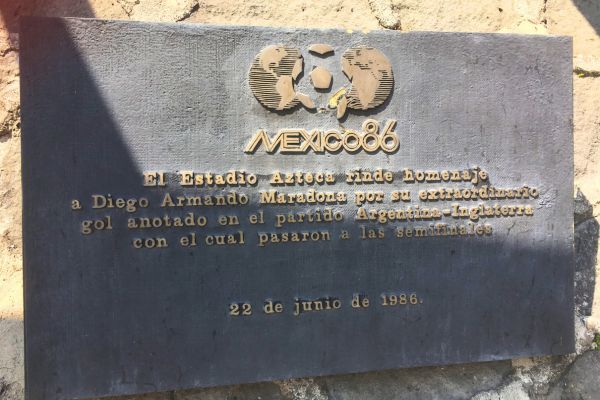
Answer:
(582, 381)
(258, 391)
(582, 209)
(586, 250)
(450, 382)
(11, 356)
(514, 390)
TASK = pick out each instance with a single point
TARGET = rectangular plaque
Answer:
(211, 205)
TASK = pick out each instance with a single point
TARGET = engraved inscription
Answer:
(321, 207)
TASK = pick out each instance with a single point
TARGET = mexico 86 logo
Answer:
(275, 70)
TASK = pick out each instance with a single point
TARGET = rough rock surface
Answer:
(581, 380)
(569, 377)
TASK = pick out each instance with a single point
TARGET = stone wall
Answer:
(572, 376)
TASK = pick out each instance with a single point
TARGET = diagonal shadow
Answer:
(590, 9)
(59, 137)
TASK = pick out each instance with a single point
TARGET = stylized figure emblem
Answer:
(276, 68)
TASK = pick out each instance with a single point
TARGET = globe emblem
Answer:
(371, 75)
(272, 77)
(276, 68)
